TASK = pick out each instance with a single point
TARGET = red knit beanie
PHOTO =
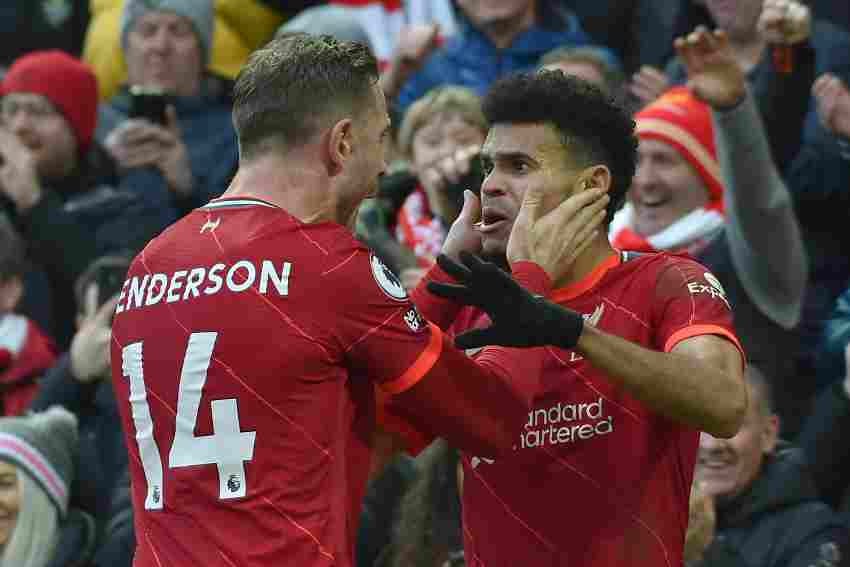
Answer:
(683, 121)
(69, 84)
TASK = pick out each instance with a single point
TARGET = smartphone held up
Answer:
(148, 103)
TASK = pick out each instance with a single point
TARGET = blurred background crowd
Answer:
(115, 122)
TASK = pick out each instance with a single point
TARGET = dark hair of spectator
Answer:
(595, 130)
(13, 262)
(289, 90)
(429, 516)
(117, 262)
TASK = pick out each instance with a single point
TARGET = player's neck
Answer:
(292, 184)
(587, 262)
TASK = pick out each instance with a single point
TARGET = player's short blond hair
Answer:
(442, 100)
(290, 88)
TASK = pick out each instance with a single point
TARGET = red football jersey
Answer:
(596, 478)
(246, 348)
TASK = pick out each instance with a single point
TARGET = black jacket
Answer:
(29, 25)
(103, 452)
(779, 522)
(825, 444)
(79, 219)
(119, 541)
(76, 541)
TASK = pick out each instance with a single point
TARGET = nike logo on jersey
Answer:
(211, 225)
(591, 319)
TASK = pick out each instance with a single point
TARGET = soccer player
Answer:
(249, 336)
(601, 471)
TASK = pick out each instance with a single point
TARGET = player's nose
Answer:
(493, 185)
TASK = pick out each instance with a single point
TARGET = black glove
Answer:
(520, 319)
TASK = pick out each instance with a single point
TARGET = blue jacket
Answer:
(471, 60)
(207, 130)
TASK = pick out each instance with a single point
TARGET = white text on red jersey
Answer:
(182, 285)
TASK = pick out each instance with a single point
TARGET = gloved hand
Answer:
(520, 319)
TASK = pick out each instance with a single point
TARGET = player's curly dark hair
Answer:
(594, 128)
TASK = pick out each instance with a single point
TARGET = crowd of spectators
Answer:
(115, 122)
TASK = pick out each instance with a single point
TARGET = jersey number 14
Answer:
(228, 448)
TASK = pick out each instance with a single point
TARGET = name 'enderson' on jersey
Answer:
(191, 283)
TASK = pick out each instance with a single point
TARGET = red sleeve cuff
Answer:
(532, 277)
(420, 367)
(697, 330)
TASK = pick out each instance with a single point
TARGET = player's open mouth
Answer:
(490, 221)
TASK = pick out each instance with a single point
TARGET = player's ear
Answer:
(339, 145)
(594, 177)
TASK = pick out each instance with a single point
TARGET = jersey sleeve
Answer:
(379, 330)
(443, 312)
(689, 301)
(513, 374)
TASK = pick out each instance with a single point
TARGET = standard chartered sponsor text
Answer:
(565, 423)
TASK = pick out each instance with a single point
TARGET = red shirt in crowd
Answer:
(26, 353)
(418, 229)
(596, 478)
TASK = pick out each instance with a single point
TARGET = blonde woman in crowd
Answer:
(37, 529)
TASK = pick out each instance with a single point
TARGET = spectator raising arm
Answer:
(784, 104)
(764, 237)
(66, 247)
(415, 46)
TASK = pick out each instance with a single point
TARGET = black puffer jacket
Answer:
(779, 522)
(80, 218)
(76, 543)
